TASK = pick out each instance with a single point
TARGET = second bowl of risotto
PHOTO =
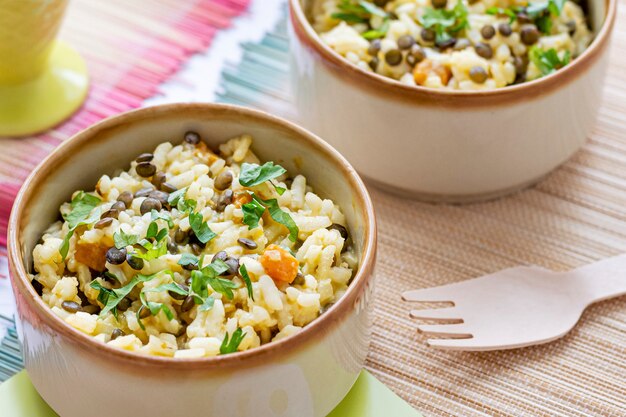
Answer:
(190, 253)
(451, 100)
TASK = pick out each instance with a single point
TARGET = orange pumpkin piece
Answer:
(241, 199)
(92, 255)
(279, 264)
(424, 68)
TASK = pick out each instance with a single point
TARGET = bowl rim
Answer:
(380, 84)
(63, 153)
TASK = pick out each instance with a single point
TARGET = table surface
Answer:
(575, 216)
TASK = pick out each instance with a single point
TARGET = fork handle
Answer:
(603, 279)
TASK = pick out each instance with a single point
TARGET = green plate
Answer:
(368, 398)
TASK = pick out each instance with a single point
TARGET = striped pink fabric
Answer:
(131, 48)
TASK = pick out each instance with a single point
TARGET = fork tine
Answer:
(448, 330)
(435, 294)
(471, 344)
(437, 314)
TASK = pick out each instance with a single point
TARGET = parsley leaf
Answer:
(154, 309)
(186, 205)
(152, 251)
(153, 229)
(176, 196)
(500, 11)
(377, 33)
(253, 174)
(252, 213)
(209, 275)
(541, 13)
(111, 298)
(445, 22)
(188, 259)
(547, 61)
(201, 229)
(172, 286)
(155, 215)
(357, 13)
(207, 304)
(82, 204)
(223, 286)
(230, 346)
(282, 217)
(122, 239)
(246, 278)
(65, 245)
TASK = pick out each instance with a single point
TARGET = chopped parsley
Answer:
(111, 298)
(253, 174)
(209, 276)
(154, 309)
(548, 61)
(82, 205)
(246, 278)
(501, 11)
(357, 12)
(253, 211)
(200, 228)
(187, 259)
(542, 13)
(231, 346)
(282, 217)
(172, 286)
(122, 239)
(155, 215)
(445, 22)
(176, 196)
(377, 33)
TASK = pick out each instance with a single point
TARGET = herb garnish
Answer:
(230, 346)
(246, 278)
(155, 215)
(187, 259)
(445, 22)
(175, 197)
(111, 298)
(200, 228)
(359, 12)
(82, 204)
(377, 33)
(122, 239)
(253, 211)
(253, 174)
(548, 61)
(154, 309)
(209, 275)
(501, 11)
(541, 13)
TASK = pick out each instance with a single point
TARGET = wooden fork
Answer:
(516, 307)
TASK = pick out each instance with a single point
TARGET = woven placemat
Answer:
(577, 215)
(130, 47)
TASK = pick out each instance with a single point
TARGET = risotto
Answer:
(455, 44)
(191, 253)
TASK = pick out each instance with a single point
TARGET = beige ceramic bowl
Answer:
(447, 145)
(305, 375)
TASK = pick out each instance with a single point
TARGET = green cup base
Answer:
(46, 101)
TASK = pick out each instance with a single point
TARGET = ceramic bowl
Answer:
(305, 375)
(447, 145)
